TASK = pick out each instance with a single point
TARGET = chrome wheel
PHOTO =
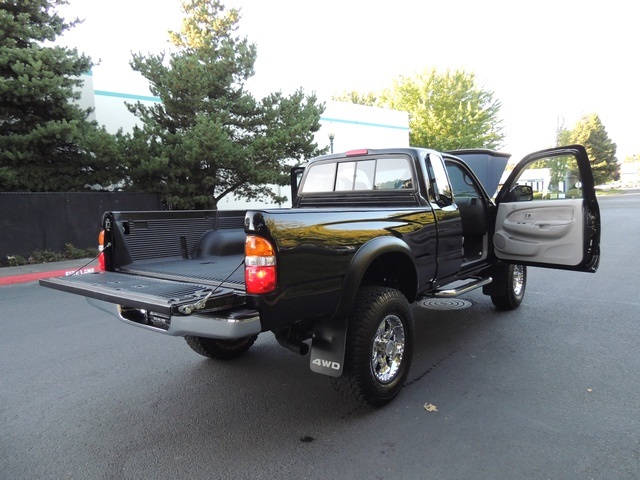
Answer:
(518, 280)
(388, 349)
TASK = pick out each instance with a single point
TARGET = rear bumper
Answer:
(225, 325)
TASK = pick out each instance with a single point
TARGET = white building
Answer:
(344, 126)
(630, 173)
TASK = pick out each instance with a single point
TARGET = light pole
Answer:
(331, 137)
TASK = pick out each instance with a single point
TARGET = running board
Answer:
(476, 282)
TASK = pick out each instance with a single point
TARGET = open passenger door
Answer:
(548, 214)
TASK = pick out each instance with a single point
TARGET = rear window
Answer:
(385, 173)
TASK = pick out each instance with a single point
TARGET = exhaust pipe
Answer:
(295, 345)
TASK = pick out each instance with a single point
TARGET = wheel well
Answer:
(395, 270)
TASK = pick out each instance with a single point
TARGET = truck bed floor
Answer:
(227, 270)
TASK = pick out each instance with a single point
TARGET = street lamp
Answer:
(331, 137)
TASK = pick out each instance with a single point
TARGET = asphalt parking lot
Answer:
(548, 391)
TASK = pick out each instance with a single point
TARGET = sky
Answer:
(547, 62)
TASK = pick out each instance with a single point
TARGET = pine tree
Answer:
(46, 143)
(209, 137)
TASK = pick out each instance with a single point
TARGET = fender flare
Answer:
(361, 261)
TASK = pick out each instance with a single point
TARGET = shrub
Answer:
(45, 256)
(574, 193)
(16, 260)
(71, 252)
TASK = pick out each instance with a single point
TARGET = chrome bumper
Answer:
(225, 325)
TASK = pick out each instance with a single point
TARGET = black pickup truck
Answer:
(369, 233)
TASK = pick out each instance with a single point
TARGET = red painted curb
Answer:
(30, 277)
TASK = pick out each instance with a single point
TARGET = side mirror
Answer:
(522, 193)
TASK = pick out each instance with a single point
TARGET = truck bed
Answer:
(168, 262)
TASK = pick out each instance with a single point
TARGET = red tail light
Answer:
(259, 265)
(100, 249)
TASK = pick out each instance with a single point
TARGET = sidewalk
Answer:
(31, 273)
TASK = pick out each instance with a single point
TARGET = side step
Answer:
(457, 290)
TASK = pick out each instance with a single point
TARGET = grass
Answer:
(604, 193)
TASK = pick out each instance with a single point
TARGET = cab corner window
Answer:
(552, 178)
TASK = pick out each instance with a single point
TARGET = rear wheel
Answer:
(380, 335)
(220, 349)
(516, 283)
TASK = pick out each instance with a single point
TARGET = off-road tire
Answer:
(516, 283)
(220, 349)
(380, 337)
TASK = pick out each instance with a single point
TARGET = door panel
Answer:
(548, 214)
(540, 232)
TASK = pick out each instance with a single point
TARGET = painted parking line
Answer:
(31, 277)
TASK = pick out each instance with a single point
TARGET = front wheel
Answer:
(380, 335)
(220, 349)
(516, 283)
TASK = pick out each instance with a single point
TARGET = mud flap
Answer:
(499, 284)
(328, 347)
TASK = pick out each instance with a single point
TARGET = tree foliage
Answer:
(447, 111)
(359, 98)
(590, 132)
(46, 142)
(209, 137)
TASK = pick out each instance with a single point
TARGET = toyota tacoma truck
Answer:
(334, 276)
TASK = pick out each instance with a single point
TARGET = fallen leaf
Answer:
(430, 407)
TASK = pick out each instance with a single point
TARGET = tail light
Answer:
(100, 249)
(260, 265)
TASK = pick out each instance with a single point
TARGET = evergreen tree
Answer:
(44, 135)
(209, 137)
(590, 132)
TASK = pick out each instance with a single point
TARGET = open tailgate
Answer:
(166, 297)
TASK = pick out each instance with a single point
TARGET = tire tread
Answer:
(220, 349)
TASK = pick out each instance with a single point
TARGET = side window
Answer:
(461, 183)
(553, 178)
